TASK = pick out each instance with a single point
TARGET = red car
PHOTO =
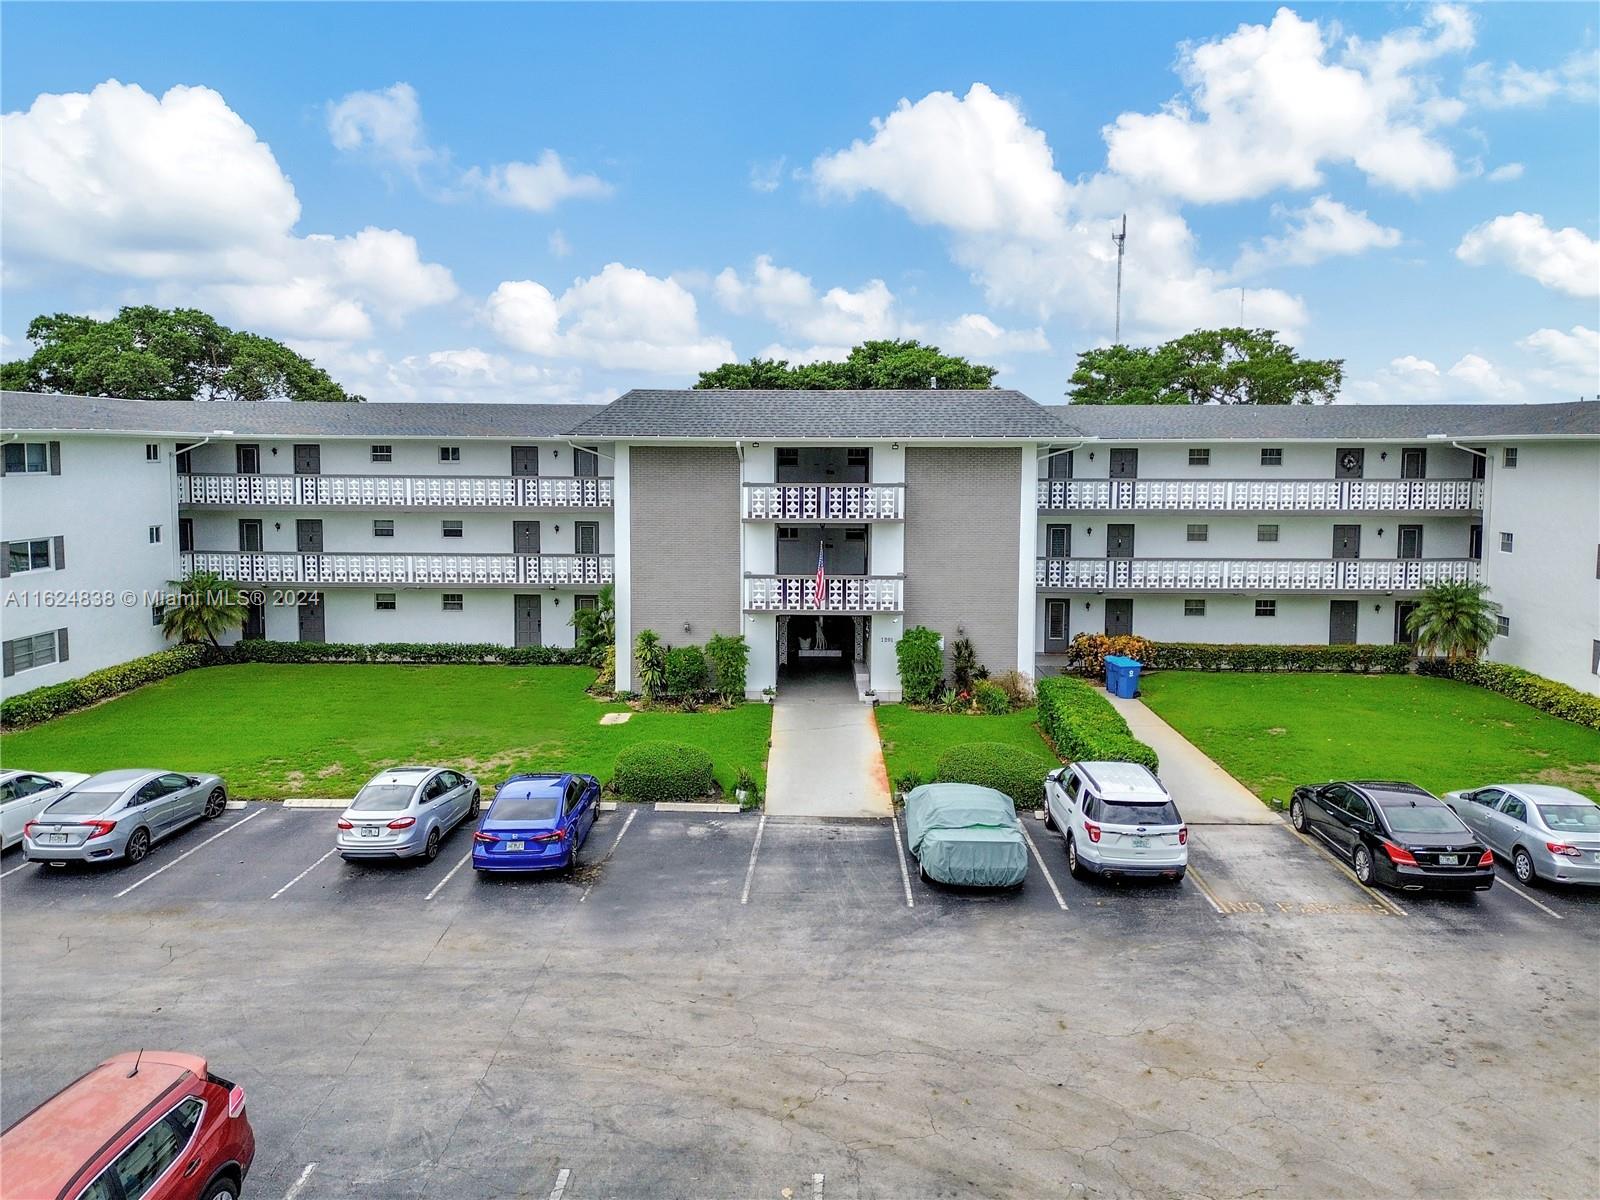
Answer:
(151, 1125)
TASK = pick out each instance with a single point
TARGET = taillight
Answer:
(555, 835)
(1092, 830)
(100, 828)
(343, 824)
(1563, 848)
(1399, 855)
(403, 823)
(1487, 860)
(488, 839)
(236, 1101)
(27, 830)
(1183, 835)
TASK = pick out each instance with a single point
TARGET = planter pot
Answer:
(740, 795)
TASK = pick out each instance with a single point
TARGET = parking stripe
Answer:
(561, 1183)
(304, 873)
(298, 1185)
(1516, 891)
(816, 1186)
(1048, 878)
(1372, 893)
(465, 858)
(186, 853)
(15, 869)
(750, 871)
(1193, 873)
(900, 852)
(632, 813)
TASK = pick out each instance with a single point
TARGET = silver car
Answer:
(24, 794)
(406, 812)
(120, 815)
(1547, 833)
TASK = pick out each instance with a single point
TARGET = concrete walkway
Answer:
(826, 759)
(1206, 794)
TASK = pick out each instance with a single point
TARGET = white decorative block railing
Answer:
(1252, 575)
(842, 593)
(403, 570)
(824, 501)
(1260, 495)
(396, 491)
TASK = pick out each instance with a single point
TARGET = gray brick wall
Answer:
(962, 526)
(684, 541)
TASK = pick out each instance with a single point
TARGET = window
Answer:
(247, 459)
(788, 533)
(449, 454)
(27, 458)
(1505, 543)
(185, 463)
(1502, 625)
(451, 529)
(139, 1166)
(1480, 462)
(1409, 539)
(851, 535)
(1058, 541)
(1059, 464)
(1515, 809)
(1056, 621)
(1266, 608)
(1509, 458)
(1199, 533)
(1266, 533)
(152, 452)
(31, 555)
(1194, 608)
(453, 602)
(586, 603)
(586, 537)
(250, 536)
(857, 457)
(586, 463)
(155, 535)
(1475, 542)
(383, 529)
(788, 456)
(384, 601)
(382, 453)
(1199, 456)
(1272, 456)
(158, 612)
(40, 650)
(1414, 462)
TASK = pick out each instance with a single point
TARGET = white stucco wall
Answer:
(1300, 620)
(487, 615)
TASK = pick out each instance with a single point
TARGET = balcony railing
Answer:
(1260, 495)
(1252, 575)
(841, 594)
(396, 491)
(403, 570)
(824, 501)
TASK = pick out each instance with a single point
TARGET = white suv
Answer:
(1117, 820)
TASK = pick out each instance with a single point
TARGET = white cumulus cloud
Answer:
(1505, 173)
(1567, 260)
(387, 124)
(1514, 86)
(1323, 229)
(1413, 380)
(536, 186)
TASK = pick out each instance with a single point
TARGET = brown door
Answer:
(308, 536)
(525, 537)
(524, 460)
(1119, 618)
(1341, 622)
(1347, 541)
(1119, 541)
(1125, 464)
(307, 458)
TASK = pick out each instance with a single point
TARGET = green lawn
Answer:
(1273, 731)
(275, 730)
(913, 741)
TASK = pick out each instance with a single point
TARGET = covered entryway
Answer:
(819, 645)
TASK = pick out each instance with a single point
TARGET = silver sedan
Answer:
(24, 794)
(120, 815)
(1547, 833)
(406, 812)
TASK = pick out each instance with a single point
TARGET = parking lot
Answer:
(733, 1005)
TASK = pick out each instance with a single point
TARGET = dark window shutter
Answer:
(60, 551)
(55, 458)
(5, 560)
(61, 645)
(10, 649)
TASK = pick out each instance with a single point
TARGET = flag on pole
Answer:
(822, 581)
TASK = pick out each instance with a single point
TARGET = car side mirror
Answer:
(194, 781)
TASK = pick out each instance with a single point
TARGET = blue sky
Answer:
(544, 202)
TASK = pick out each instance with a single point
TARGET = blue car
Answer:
(536, 823)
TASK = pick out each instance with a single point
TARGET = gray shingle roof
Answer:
(1292, 422)
(716, 413)
(42, 411)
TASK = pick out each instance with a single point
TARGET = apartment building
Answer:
(980, 514)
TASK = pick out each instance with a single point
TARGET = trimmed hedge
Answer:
(1210, 656)
(921, 663)
(1078, 718)
(1536, 691)
(1088, 651)
(41, 704)
(662, 771)
(994, 765)
(687, 673)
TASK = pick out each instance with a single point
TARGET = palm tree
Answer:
(205, 607)
(1456, 618)
(596, 627)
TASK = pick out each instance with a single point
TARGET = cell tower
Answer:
(1120, 239)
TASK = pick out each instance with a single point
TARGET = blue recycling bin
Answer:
(1122, 676)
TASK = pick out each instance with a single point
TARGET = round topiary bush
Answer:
(995, 765)
(662, 771)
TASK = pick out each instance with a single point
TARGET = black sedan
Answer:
(1395, 834)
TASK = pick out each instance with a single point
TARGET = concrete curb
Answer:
(315, 802)
(608, 806)
(701, 806)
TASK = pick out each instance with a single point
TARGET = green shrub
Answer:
(991, 698)
(403, 652)
(994, 765)
(1209, 656)
(1088, 651)
(41, 704)
(921, 665)
(686, 672)
(662, 771)
(1078, 718)
(651, 656)
(730, 659)
(1536, 691)
(963, 664)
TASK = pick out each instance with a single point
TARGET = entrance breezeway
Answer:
(826, 759)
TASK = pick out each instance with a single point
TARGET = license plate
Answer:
(54, 839)
(1140, 843)
(1449, 860)
(369, 831)
(515, 845)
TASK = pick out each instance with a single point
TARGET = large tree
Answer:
(148, 353)
(1209, 366)
(871, 365)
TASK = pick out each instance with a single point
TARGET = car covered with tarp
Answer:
(967, 835)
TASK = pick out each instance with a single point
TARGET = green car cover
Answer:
(965, 834)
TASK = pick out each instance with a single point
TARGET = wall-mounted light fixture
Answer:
(1091, 456)
(1380, 532)
(277, 524)
(1086, 606)
(558, 529)
(555, 454)
(1377, 608)
(961, 630)
(686, 627)
(1383, 456)
(274, 452)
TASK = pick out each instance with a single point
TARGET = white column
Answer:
(1027, 539)
(622, 586)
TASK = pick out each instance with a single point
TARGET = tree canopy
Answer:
(1209, 366)
(871, 365)
(148, 353)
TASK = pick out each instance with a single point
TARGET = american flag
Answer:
(822, 582)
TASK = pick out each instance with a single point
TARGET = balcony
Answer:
(842, 594)
(1251, 575)
(1261, 495)
(824, 501)
(403, 570)
(395, 491)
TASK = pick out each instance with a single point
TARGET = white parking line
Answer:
(900, 852)
(15, 869)
(296, 1187)
(1048, 878)
(750, 871)
(632, 813)
(1193, 872)
(561, 1183)
(186, 853)
(304, 873)
(816, 1186)
(465, 858)
(1516, 891)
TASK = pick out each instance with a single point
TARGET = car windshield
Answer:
(86, 803)
(383, 797)
(1571, 818)
(526, 808)
(1165, 813)
(1422, 818)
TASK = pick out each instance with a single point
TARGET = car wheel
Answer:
(1363, 866)
(138, 846)
(1049, 817)
(1178, 878)
(430, 851)
(572, 858)
(222, 1189)
(1297, 815)
(477, 804)
(216, 804)
(1074, 867)
(1522, 864)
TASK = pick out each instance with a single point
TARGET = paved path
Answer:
(826, 759)
(1206, 794)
